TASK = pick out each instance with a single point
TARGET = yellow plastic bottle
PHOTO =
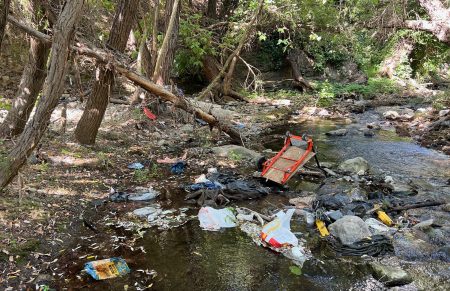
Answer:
(322, 228)
(384, 218)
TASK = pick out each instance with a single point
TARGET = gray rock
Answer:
(235, 151)
(357, 166)
(357, 194)
(376, 227)
(410, 246)
(391, 114)
(390, 275)
(337, 132)
(335, 215)
(349, 229)
(368, 132)
(444, 112)
(424, 224)
(402, 189)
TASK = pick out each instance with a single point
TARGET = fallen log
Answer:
(417, 205)
(112, 60)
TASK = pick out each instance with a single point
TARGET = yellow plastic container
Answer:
(384, 218)
(322, 228)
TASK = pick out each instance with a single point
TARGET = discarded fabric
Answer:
(373, 246)
(201, 122)
(119, 197)
(106, 269)
(204, 185)
(136, 166)
(278, 232)
(215, 219)
(178, 168)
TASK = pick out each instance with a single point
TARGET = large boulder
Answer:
(236, 152)
(349, 229)
(390, 275)
(357, 166)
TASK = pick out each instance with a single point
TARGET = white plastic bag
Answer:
(278, 232)
(215, 219)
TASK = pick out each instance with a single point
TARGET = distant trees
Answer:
(33, 77)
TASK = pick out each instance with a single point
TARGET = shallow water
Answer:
(189, 258)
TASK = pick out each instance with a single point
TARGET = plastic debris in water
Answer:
(106, 269)
(136, 166)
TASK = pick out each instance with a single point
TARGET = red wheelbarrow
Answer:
(296, 152)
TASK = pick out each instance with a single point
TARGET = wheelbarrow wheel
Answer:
(260, 163)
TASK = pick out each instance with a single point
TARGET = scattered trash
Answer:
(146, 211)
(178, 168)
(296, 270)
(119, 197)
(384, 218)
(201, 122)
(143, 194)
(278, 232)
(322, 228)
(136, 166)
(106, 269)
(149, 114)
(215, 219)
(372, 246)
(296, 152)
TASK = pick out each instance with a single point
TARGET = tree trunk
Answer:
(105, 57)
(212, 8)
(33, 77)
(166, 54)
(400, 53)
(299, 81)
(87, 128)
(4, 10)
(244, 38)
(154, 52)
(53, 88)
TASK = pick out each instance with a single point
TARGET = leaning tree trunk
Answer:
(4, 10)
(166, 54)
(87, 128)
(400, 53)
(53, 88)
(104, 57)
(299, 81)
(33, 77)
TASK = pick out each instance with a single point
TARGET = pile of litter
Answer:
(218, 189)
(275, 235)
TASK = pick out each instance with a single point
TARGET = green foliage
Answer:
(271, 54)
(141, 176)
(327, 91)
(197, 43)
(4, 104)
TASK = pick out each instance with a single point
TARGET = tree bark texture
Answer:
(211, 11)
(400, 53)
(166, 54)
(52, 91)
(87, 128)
(33, 77)
(4, 10)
